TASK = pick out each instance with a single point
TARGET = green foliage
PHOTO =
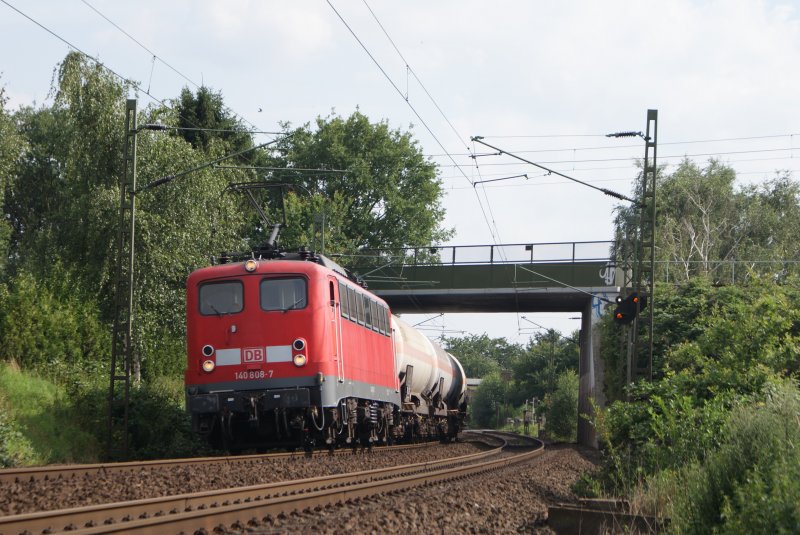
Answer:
(48, 422)
(178, 226)
(514, 375)
(488, 401)
(15, 449)
(562, 412)
(203, 118)
(750, 483)
(11, 146)
(159, 426)
(481, 355)
(547, 355)
(51, 332)
(720, 348)
(39, 424)
(705, 223)
(388, 197)
(740, 339)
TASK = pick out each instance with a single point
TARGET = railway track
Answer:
(10, 475)
(207, 510)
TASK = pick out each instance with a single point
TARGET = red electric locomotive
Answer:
(290, 351)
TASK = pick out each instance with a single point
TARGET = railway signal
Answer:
(628, 307)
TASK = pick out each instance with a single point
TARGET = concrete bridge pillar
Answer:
(590, 371)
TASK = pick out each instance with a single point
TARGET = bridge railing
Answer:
(516, 253)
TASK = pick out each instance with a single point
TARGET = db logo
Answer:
(254, 354)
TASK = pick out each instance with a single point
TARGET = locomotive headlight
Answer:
(250, 266)
(208, 366)
(299, 360)
(299, 344)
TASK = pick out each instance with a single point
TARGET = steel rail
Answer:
(11, 475)
(108, 516)
(243, 513)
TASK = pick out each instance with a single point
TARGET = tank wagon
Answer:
(292, 352)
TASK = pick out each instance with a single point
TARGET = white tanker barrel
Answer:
(455, 396)
(435, 370)
(412, 348)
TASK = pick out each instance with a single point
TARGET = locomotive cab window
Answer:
(218, 298)
(283, 294)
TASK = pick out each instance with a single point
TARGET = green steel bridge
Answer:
(532, 277)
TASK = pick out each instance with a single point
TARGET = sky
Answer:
(544, 80)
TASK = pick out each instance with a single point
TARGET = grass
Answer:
(39, 424)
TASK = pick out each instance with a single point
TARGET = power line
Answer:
(618, 147)
(408, 103)
(255, 129)
(670, 156)
(453, 128)
(389, 79)
(408, 66)
(605, 191)
(97, 62)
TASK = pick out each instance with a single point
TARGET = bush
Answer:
(46, 333)
(158, 425)
(751, 484)
(562, 415)
(15, 449)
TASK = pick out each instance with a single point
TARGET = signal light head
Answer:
(628, 307)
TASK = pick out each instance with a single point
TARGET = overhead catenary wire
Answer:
(605, 191)
(408, 66)
(620, 147)
(255, 129)
(629, 158)
(394, 85)
(97, 62)
(408, 103)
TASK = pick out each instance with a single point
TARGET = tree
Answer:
(490, 396)
(704, 223)
(202, 119)
(481, 355)
(562, 407)
(11, 146)
(381, 192)
(547, 355)
(64, 205)
(72, 161)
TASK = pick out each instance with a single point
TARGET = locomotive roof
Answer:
(226, 269)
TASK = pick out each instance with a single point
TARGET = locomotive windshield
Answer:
(283, 294)
(218, 298)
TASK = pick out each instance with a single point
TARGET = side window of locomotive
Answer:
(368, 311)
(284, 294)
(376, 319)
(382, 319)
(344, 302)
(360, 304)
(351, 298)
(218, 298)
